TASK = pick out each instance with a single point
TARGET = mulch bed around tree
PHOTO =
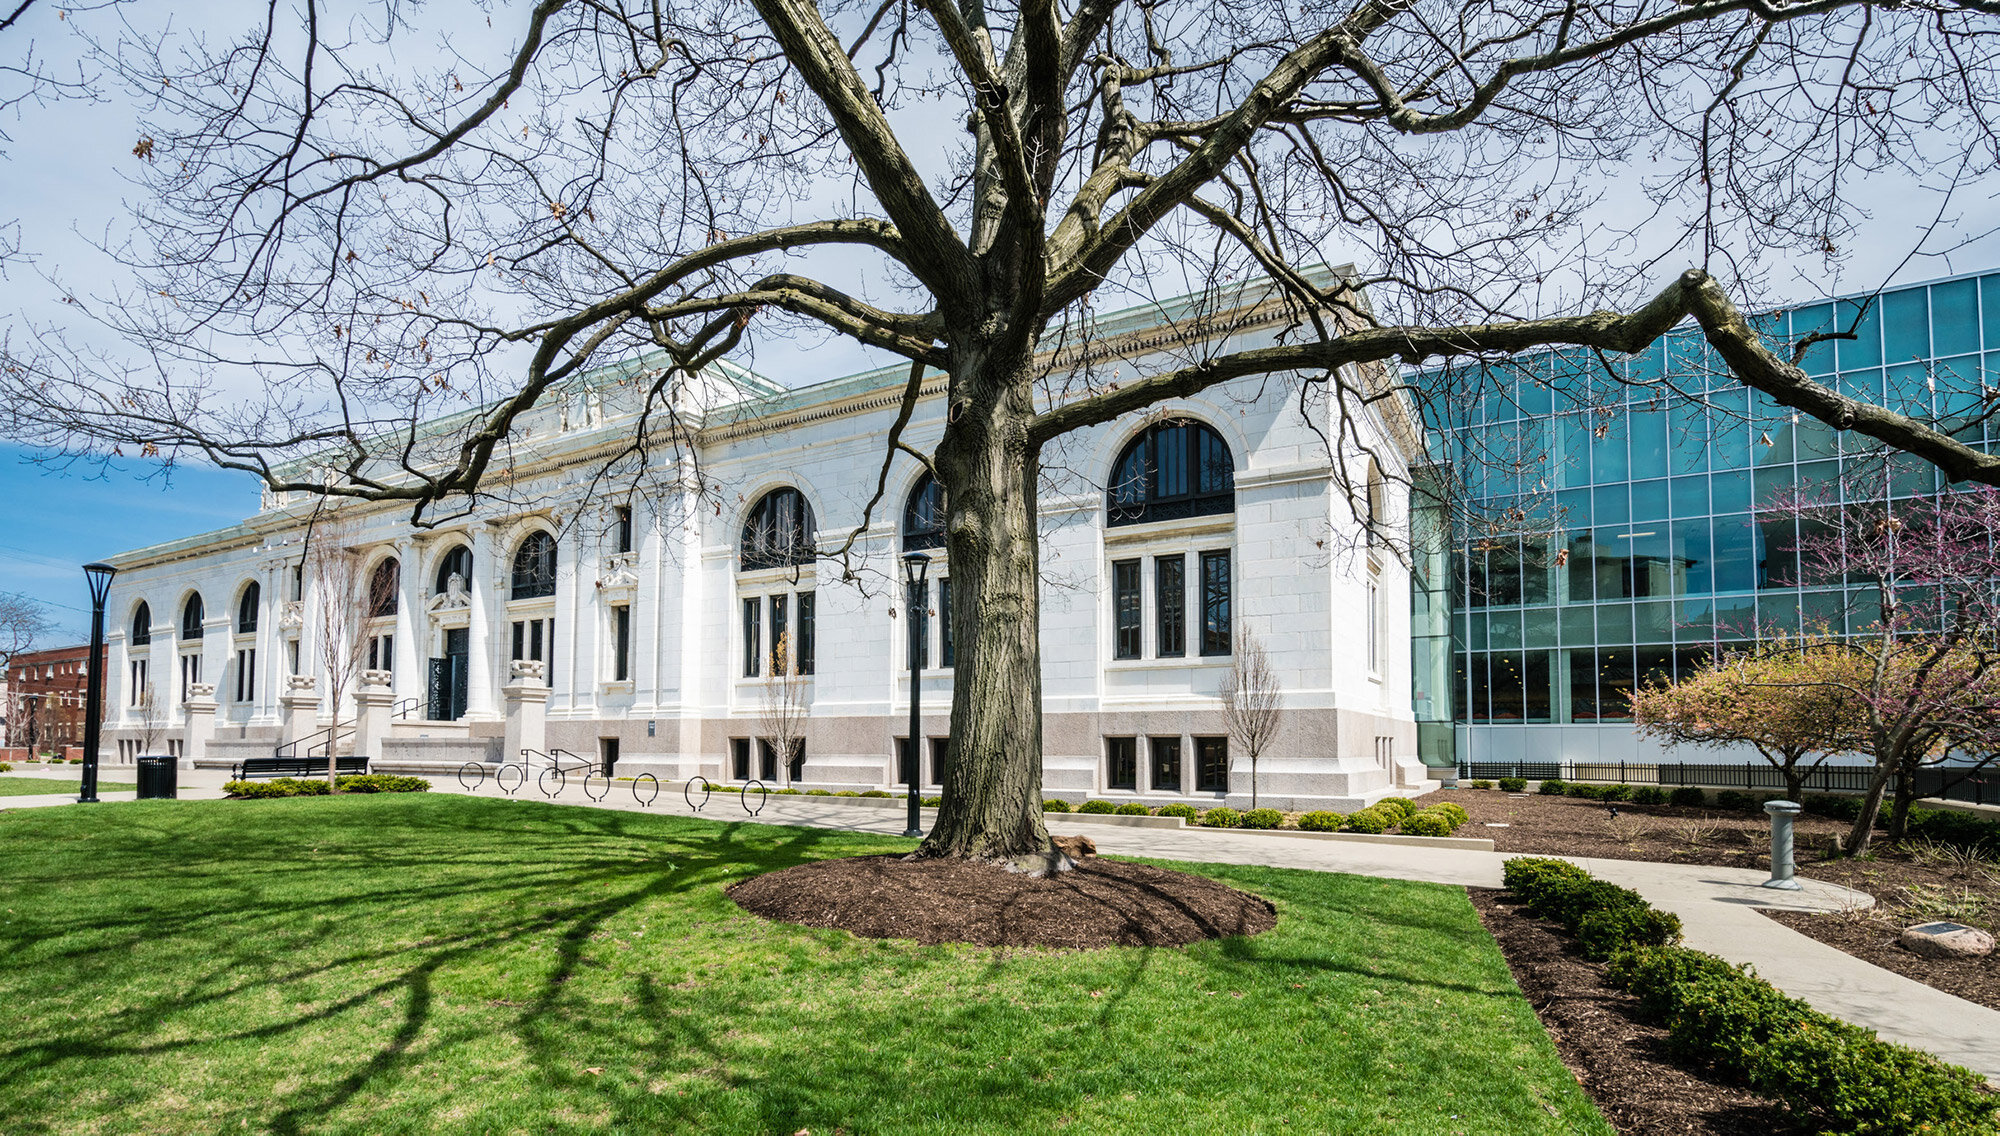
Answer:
(1619, 1060)
(1910, 885)
(1099, 903)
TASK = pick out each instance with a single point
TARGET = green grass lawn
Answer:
(39, 786)
(392, 964)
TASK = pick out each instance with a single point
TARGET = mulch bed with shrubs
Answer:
(1098, 903)
(1698, 1045)
(1919, 881)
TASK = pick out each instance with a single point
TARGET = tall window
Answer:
(780, 619)
(920, 623)
(807, 632)
(1215, 603)
(947, 655)
(622, 529)
(1166, 769)
(621, 643)
(535, 641)
(534, 567)
(141, 675)
(142, 625)
(383, 585)
(1374, 624)
(923, 517)
(1170, 604)
(246, 610)
(778, 532)
(1173, 470)
(1211, 765)
(191, 618)
(457, 562)
(1121, 760)
(246, 674)
(382, 653)
(1125, 605)
(753, 637)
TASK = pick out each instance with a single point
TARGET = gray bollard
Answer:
(1782, 867)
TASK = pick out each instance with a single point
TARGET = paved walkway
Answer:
(1718, 906)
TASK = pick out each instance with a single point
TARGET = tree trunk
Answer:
(992, 806)
(1905, 797)
(1863, 831)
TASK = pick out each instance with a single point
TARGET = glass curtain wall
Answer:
(1613, 536)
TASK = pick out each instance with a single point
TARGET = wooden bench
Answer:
(294, 767)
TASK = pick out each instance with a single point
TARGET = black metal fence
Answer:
(1978, 786)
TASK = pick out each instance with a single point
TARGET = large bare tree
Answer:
(380, 232)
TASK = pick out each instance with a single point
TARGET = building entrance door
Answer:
(448, 677)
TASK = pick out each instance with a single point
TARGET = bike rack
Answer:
(542, 782)
(475, 767)
(687, 792)
(587, 775)
(520, 778)
(645, 802)
(766, 795)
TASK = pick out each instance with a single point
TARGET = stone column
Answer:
(301, 704)
(527, 697)
(373, 699)
(488, 610)
(200, 710)
(411, 626)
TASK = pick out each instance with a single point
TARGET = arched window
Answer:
(191, 617)
(779, 531)
(1173, 470)
(535, 567)
(142, 625)
(246, 610)
(383, 585)
(923, 517)
(457, 562)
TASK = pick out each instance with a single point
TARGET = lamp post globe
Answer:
(98, 577)
(916, 565)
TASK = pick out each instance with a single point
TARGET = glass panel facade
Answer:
(1642, 549)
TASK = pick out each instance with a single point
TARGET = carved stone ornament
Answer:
(454, 597)
(527, 668)
(201, 690)
(377, 678)
(620, 572)
(301, 683)
(292, 615)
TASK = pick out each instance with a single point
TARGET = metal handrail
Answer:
(318, 744)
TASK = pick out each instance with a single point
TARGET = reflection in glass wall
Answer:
(1621, 541)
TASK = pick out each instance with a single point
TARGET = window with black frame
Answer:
(142, 625)
(779, 532)
(534, 573)
(1173, 470)
(1121, 762)
(246, 609)
(1211, 757)
(192, 616)
(385, 583)
(923, 516)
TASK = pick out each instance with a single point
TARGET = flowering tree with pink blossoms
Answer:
(1918, 660)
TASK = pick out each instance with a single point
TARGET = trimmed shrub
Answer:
(1426, 823)
(381, 783)
(1605, 932)
(1097, 807)
(1687, 797)
(1858, 1083)
(1737, 801)
(1615, 793)
(6, 767)
(1371, 821)
(1657, 975)
(1321, 820)
(276, 787)
(1133, 809)
(1944, 827)
(774, 792)
(1722, 1021)
(1401, 807)
(1055, 805)
(1569, 901)
(1482, 784)
(1451, 811)
(878, 794)
(1583, 792)
(1221, 817)
(1177, 809)
(933, 802)
(1513, 784)
(1552, 788)
(1649, 795)
(1526, 875)
(819, 792)
(850, 793)
(1832, 805)
(1261, 818)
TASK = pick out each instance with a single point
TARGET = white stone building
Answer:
(632, 621)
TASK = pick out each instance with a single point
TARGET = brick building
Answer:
(44, 698)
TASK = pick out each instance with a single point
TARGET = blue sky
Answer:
(52, 523)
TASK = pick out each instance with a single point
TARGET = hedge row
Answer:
(1397, 813)
(1842, 1077)
(316, 786)
(1941, 825)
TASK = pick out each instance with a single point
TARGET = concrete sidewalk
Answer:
(1718, 906)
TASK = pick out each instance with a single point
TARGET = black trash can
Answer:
(158, 779)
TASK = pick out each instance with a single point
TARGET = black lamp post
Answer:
(916, 565)
(99, 578)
